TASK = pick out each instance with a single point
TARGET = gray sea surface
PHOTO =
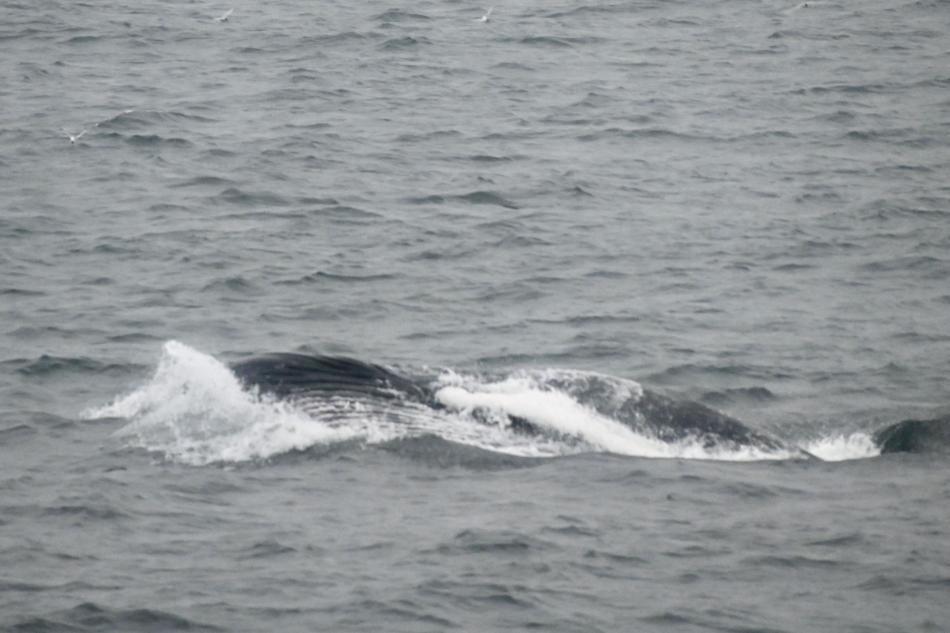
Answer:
(745, 203)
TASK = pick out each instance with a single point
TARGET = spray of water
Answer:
(194, 410)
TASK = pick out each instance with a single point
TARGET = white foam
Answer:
(193, 410)
(843, 447)
(608, 392)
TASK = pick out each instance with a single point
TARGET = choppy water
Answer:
(737, 202)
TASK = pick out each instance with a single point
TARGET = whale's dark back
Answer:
(915, 436)
(671, 420)
(292, 375)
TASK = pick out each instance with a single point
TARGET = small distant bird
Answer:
(73, 137)
(224, 18)
(487, 15)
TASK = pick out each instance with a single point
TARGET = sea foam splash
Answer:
(840, 448)
(195, 411)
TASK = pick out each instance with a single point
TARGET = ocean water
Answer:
(536, 217)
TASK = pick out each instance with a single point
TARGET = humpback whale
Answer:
(289, 376)
(299, 376)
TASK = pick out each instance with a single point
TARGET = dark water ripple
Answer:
(89, 616)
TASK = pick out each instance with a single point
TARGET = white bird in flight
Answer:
(73, 137)
(224, 18)
(487, 15)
